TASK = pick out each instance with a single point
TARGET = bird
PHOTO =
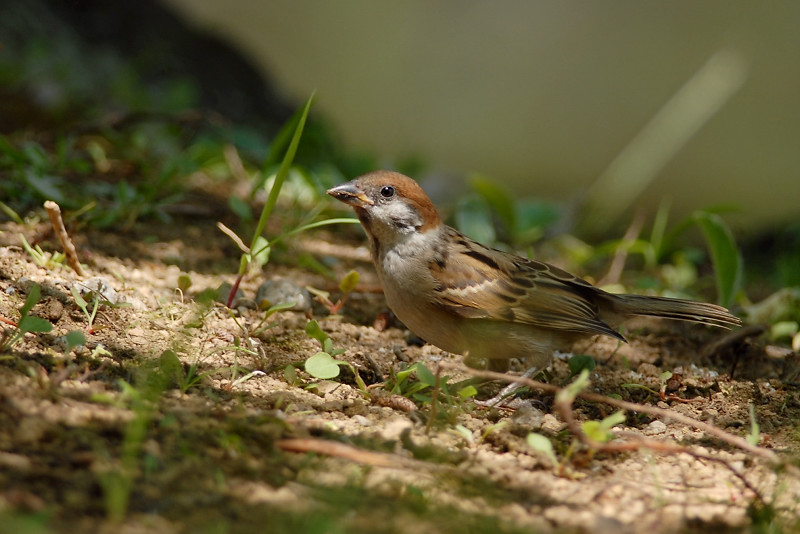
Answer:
(470, 299)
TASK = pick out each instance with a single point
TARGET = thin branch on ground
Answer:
(663, 414)
(354, 454)
(54, 211)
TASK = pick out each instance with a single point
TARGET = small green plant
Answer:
(323, 364)
(725, 254)
(600, 431)
(258, 252)
(754, 436)
(780, 310)
(173, 370)
(41, 258)
(90, 307)
(347, 285)
(74, 338)
(663, 379)
(117, 476)
(11, 214)
(26, 323)
(491, 212)
(579, 362)
(543, 445)
(418, 383)
(269, 311)
(84, 306)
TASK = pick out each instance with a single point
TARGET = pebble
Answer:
(528, 416)
(224, 290)
(361, 420)
(655, 427)
(279, 291)
(101, 287)
(551, 424)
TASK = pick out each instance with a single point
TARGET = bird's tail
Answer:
(683, 310)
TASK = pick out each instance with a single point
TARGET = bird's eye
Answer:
(387, 191)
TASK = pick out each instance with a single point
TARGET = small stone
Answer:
(655, 427)
(324, 387)
(361, 420)
(280, 291)
(101, 287)
(551, 424)
(224, 290)
(528, 416)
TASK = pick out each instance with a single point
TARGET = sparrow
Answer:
(470, 299)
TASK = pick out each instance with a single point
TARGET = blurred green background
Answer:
(583, 114)
(695, 101)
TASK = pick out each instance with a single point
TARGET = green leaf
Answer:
(79, 300)
(403, 375)
(317, 224)
(13, 215)
(658, 233)
(290, 374)
(572, 390)
(75, 338)
(240, 208)
(532, 218)
(616, 418)
(322, 365)
(184, 282)
(275, 307)
(313, 330)
(601, 430)
(46, 186)
(783, 329)
(283, 171)
(349, 282)
(171, 366)
(724, 255)
(31, 300)
(473, 218)
(543, 445)
(34, 324)
(579, 362)
(467, 392)
(425, 375)
(593, 432)
(498, 198)
(260, 251)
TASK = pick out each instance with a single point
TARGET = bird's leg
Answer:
(513, 387)
(509, 390)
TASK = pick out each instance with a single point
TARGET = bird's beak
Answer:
(351, 194)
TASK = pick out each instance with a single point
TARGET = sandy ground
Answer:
(81, 450)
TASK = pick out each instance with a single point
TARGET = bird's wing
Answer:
(474, 281)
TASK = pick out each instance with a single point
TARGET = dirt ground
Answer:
(82, 451)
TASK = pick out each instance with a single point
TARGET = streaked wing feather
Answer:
(537, 294)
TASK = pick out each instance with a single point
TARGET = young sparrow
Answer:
(469, 299)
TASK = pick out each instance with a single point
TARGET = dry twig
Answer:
(666, 415)
(54, 211)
